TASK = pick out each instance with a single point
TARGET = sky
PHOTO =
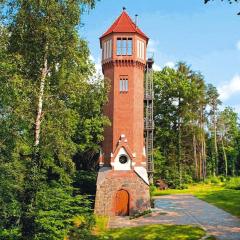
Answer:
(206, 37)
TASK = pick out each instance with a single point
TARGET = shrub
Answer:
(61, 212)
(152, 189)
(214, 180)
(86, 181)
(222, 178)
(233, 183)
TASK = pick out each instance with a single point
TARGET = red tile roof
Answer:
(124, 24)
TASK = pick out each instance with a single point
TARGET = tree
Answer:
(229, 1)
(228, 132)
(45, 72)
(179, 122)
(213, 102)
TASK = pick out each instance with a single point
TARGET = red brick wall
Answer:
(125, 110)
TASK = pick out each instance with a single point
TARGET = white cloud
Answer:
(98, 68)
(229, 89)
(97, 64)
(156, 67)
(238, 45)
(152, 47)
(169, 64)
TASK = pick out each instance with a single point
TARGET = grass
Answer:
(154, 232)
(216, 194)
(101, 225)
(149, 232)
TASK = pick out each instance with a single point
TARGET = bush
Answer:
(233, 183)
(61, 212)
(86, 181)
(214, 180)
(222, 178)
(10, 234)
(152, 189)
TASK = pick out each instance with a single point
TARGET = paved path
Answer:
(186, 209)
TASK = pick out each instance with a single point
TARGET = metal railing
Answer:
(148, 116)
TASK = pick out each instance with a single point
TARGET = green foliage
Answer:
(11, 188)
(193, 138)
(62, 212)
(233, 183)
(86, 181)
(179, 104)
(152, 189)
(214, 180)
(101, 224)
(36, 196)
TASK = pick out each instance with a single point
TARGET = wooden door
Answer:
(122, 203)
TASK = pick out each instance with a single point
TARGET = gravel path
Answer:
(187, 209)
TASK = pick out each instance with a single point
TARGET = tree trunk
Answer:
(33, 176)
(40, 102)
(195, 156)
(225, 158)
(203, 150)
(204, 158)
(215, 143)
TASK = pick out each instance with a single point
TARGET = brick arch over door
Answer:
(122, 203)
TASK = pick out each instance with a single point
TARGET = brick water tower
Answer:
(122, 184)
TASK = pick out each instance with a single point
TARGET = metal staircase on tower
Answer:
(148, 116)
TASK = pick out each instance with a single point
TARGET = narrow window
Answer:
(126, 85)
(124, 46)
(107, 49)
(123, 84)
(119, 46)
(138, 48)
(110, 48)
(104, 50)
(142, 50)
(121, 87)
(129, 46)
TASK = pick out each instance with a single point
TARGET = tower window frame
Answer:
(124, 46)
(123, 84)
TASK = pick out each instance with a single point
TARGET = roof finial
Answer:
(136, 18)
(124, 8)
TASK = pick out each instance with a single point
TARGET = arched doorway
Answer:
(122, 203)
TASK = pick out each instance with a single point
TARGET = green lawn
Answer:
(227, 199)
(149, 232)
(154, 232)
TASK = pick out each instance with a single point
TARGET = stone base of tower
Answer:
(113, 185)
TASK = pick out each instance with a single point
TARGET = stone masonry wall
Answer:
(111, 182)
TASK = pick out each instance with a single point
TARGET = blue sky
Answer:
(207, 37)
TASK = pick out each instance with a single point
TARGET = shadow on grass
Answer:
(154, 232)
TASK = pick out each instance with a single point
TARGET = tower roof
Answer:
(124, 24)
